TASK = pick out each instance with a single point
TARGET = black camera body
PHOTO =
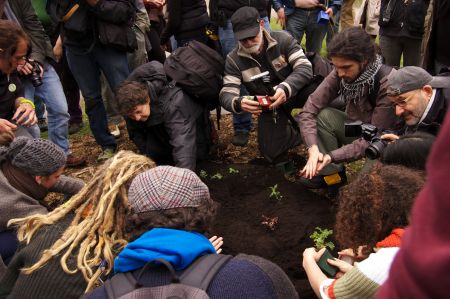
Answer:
(35, 76)
(369, 133)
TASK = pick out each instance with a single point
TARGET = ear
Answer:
(38, 179)
(428, 91)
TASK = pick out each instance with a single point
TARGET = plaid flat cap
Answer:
(166, 187)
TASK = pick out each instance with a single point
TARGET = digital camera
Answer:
(370, 133)
(35, 76)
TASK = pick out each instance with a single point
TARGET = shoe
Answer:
(114, 130)
(106, 154)
(240, 138)
(321, 181)
(74, 161)
(287, 168)
(42, 124)
(75, 128)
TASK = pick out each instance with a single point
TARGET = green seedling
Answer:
(231, 170)
(274, 193)
(319, 237)
(217, 176)
(203, 174)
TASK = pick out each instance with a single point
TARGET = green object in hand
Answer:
(327, 269)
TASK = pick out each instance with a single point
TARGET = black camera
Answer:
(35, 75)
(370, 133)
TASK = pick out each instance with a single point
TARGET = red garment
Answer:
(421, 269)
(393, 240)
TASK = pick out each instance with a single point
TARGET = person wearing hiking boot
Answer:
(272, 65)
(360, 79)
(163, 121)
(170, 211)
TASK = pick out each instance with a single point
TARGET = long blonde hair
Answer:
(97, 229)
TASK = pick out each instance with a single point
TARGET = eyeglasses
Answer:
(402, 103)
(20, 58)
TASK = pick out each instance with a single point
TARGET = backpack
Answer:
(198, 70)
(192, 284)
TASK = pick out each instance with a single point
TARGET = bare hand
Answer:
(6, 126)
(217, 242)
(6, 138)
(310, 254)
(344, 267)
(25, 115)
(251, 106)
(27, 68)
(278, 98)
(329, 12)
(281, 18)
(58, 51)
(326, 160)
(350, 253)
(92, 3)
(390, 137)
(155, 3)
(315, 157)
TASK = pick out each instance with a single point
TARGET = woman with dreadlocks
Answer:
(61, 251)
(359, 79)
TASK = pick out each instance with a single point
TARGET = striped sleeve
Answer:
(231, 85)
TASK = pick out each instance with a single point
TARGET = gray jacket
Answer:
(15, 204)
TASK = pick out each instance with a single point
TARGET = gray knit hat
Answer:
(35, 156)
(166, 187)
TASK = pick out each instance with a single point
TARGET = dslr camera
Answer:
(35, 75)
(369, 133)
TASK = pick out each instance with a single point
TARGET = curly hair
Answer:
(375, 203)
(97, 229)
(411, 150)
(353, 44)
(198, 219)
(130, 94)
(10, 35)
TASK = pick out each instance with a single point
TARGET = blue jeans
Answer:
(86, 68)
(241, 122)
(305, 21)
(52, 93)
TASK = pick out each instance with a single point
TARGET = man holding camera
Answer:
(419, 98)
(359, 79)
(271, 65)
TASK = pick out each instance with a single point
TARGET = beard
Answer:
(256, 49)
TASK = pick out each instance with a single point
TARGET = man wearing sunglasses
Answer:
(419, 98)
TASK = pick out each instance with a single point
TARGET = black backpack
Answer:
(198, 70)
(192, 284)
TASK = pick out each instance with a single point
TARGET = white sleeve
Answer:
(323, 286)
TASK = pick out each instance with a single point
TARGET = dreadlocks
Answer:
(97, 229)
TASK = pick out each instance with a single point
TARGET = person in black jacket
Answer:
(187, 21)
(401, 29)
(163, 121)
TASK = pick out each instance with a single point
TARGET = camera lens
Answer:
(374, 150)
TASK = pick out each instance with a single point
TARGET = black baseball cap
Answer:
(246, 22)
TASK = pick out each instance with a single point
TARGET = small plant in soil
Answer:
(275, 193)
(203, 174)
(320, 236)
(270, 223)
(217, 176)
(231, 170)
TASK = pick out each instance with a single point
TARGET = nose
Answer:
(341, 73)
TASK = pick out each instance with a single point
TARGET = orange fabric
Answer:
(393, 240)
(331, 290)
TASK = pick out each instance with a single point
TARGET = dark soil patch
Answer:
(244, 199)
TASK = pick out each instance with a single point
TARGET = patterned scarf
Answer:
(355, 90)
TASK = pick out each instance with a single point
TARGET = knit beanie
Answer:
(166, 187)
(35, 156)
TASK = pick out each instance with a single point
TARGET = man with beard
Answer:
(272, 65)
(420, 99)
(359, 79)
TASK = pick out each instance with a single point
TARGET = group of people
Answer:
(133, 212)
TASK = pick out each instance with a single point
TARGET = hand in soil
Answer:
(217, 242)
(270, 223)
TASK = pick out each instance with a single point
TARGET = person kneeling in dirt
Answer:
(359, 79)
(162, 120)
(172, 210)
(272, 65)
(29, 170)
(388, 192)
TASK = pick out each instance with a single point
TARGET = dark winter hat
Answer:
(412, 78)
(35, 156)
(166, 187)
(245, 22)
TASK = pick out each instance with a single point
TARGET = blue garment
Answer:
(178, 247)
(52, 93)
(86, 68)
